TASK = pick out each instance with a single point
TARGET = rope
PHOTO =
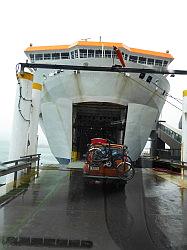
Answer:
(164, 92)
(19, 102)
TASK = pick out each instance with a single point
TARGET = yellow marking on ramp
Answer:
(179, 180)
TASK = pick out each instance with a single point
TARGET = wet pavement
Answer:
(56, 211)
(166, 211)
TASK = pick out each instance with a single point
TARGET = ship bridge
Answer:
(90, 50)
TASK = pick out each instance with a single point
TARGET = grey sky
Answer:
(154, 25)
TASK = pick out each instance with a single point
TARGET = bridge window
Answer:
(83, 53)
(38, 56)
(65, 55)
(98, 53)
(31, 57)
(158, 62)
(90, 53)
(150, 61)
(133, 59)
(47, 56)
(142, 60)
(72, 55)
(114, 55)
(108, 53)
(55, 56)
(76, 53)
(165, 63)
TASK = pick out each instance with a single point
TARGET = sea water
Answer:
(44, 150)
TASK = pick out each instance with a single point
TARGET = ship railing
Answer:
(16, 187)
(25, 162)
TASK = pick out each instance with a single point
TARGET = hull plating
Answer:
(64, 89)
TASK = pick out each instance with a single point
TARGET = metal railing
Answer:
(25, 162)
(19, 186)
(171, 133)
(169, 154)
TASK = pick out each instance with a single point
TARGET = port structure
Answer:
(166, 134)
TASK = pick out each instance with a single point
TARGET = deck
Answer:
(55, 211)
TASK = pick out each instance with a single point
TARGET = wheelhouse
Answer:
(87, 49)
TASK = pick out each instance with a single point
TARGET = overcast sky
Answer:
(155, 25)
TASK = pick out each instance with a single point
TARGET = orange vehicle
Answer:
(107, 161)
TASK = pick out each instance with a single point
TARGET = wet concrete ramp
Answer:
(58, 212)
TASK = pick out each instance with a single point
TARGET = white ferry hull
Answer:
(64, 89)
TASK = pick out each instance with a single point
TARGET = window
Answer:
(55, 56)
(150, 61)
(83, 53)
(90, 53)
(72, 55)
(76, 53)
(149, 79)
(114, 55)
(158, 62)
(65, 55)
(142, 60)
(47, 56)
(31, 57)
(126, 57)
(165, 63)
(38, 56)
(133, 59)
(108, 53)
(98, 53)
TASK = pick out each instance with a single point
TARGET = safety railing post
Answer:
(15, 175)
(38, 164)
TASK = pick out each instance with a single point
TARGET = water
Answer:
(46, 155)
(4, 149)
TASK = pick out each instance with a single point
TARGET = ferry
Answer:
(78, 105)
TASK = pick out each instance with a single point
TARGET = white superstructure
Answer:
(79, 105)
